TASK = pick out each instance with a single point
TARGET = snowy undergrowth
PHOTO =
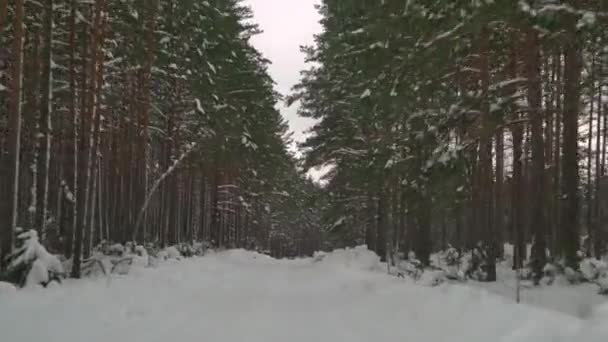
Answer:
(556, 291)
(31, 264)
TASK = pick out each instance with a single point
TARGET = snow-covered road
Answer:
(241, 296)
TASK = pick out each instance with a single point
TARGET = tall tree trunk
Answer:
(86, 127)
(557, 154)
(485, 154)
(30, 132)
(550, 71)
(71, 167)
(499, 210)
(533, 75)
(599, 234)
(10, 166)
(589, 204)
(424, 243)
(569, 235)
(44, 157)
(604, 138)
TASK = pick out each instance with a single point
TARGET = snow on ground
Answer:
(575, 300)
(242, 296)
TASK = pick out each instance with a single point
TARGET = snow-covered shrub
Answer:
(550, 272)
(358, 257)
(466, 263)
(31, 264)
(452, 257)
(95, 266)
(172, 253)
(186, 250)
(477, 270)
(592, 269)
(573, 276)
(116, 249)
(140, 251)
(452, 264)
(595, 271)
(318, 256)
(411, 267)
(121, 266)
(201, 247)
(432, 278)
(129, 248)
(162, 255)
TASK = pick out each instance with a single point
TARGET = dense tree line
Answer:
(151, 121)
(460, 122)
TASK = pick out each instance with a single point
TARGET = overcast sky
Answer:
(287, 24)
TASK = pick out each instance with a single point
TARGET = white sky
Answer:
(287, 25)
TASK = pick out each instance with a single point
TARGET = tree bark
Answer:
(381, 226)
(10, 167)
(599, 234)
(485, 154)
(89, 112)
(557, 154)
(569, 235)
(533, 75)
(44, 156)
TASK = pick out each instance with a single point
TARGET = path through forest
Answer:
(242, 296)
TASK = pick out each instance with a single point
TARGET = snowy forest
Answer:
(460, 142)
(465, 124)
(146, 121)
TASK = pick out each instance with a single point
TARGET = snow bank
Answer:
(357, 258)
(7, 288)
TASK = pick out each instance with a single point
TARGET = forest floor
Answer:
(243, 296)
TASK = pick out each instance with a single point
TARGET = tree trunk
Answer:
(589, 204)
(569, 235)
(485, 154)
(89, 112)
(370, 226)
(499, 210)
(533, 76)
(10, 167)
(517, 132)
(557, 155)
(550, 72)
(70, 186)
(44, 156)
(599, 234)
(381, 226)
